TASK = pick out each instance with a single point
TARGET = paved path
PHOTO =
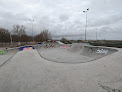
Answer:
(28, 72)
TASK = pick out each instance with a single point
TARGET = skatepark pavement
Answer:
(61, 68)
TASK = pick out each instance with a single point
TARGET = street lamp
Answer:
(96, 34)
(86, 21)
(32, 28)
(11, 38)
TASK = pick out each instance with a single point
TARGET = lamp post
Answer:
(96, 34)
(10, 35)
(32, 28)
(11, 38)
(86, 21)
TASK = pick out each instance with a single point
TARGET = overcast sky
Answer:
(65, 17)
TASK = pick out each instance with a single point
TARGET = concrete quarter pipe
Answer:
(52, 67)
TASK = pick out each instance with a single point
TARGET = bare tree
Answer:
(4, 35)
(63, 40)
(18, 31)
(25, 38)
(43, 36)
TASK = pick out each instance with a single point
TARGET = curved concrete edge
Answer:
(10, 53)
(4, 62)
(85, 52)
(95, 52)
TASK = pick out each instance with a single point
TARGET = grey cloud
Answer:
(65, 17)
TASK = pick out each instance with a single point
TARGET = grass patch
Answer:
(2, 52)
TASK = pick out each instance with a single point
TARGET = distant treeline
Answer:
(18, 34)
(108, 43)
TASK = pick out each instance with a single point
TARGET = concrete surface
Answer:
(77, 53)
(27, 71)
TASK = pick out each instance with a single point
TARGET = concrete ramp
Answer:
(8, 53)
(33, 70)
(75, 53)
(76, 47)
(50, 45)
(62, 53)
(97, 51)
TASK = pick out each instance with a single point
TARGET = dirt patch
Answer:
(2, 48)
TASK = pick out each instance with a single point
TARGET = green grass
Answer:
(2, 52)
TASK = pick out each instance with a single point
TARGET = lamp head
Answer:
(84, 11)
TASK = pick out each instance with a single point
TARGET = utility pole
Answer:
(10, 35)
(11, 38)
(96, 34)
(86, 21)
(32, 29)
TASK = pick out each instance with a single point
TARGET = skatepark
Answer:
(53, 67)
